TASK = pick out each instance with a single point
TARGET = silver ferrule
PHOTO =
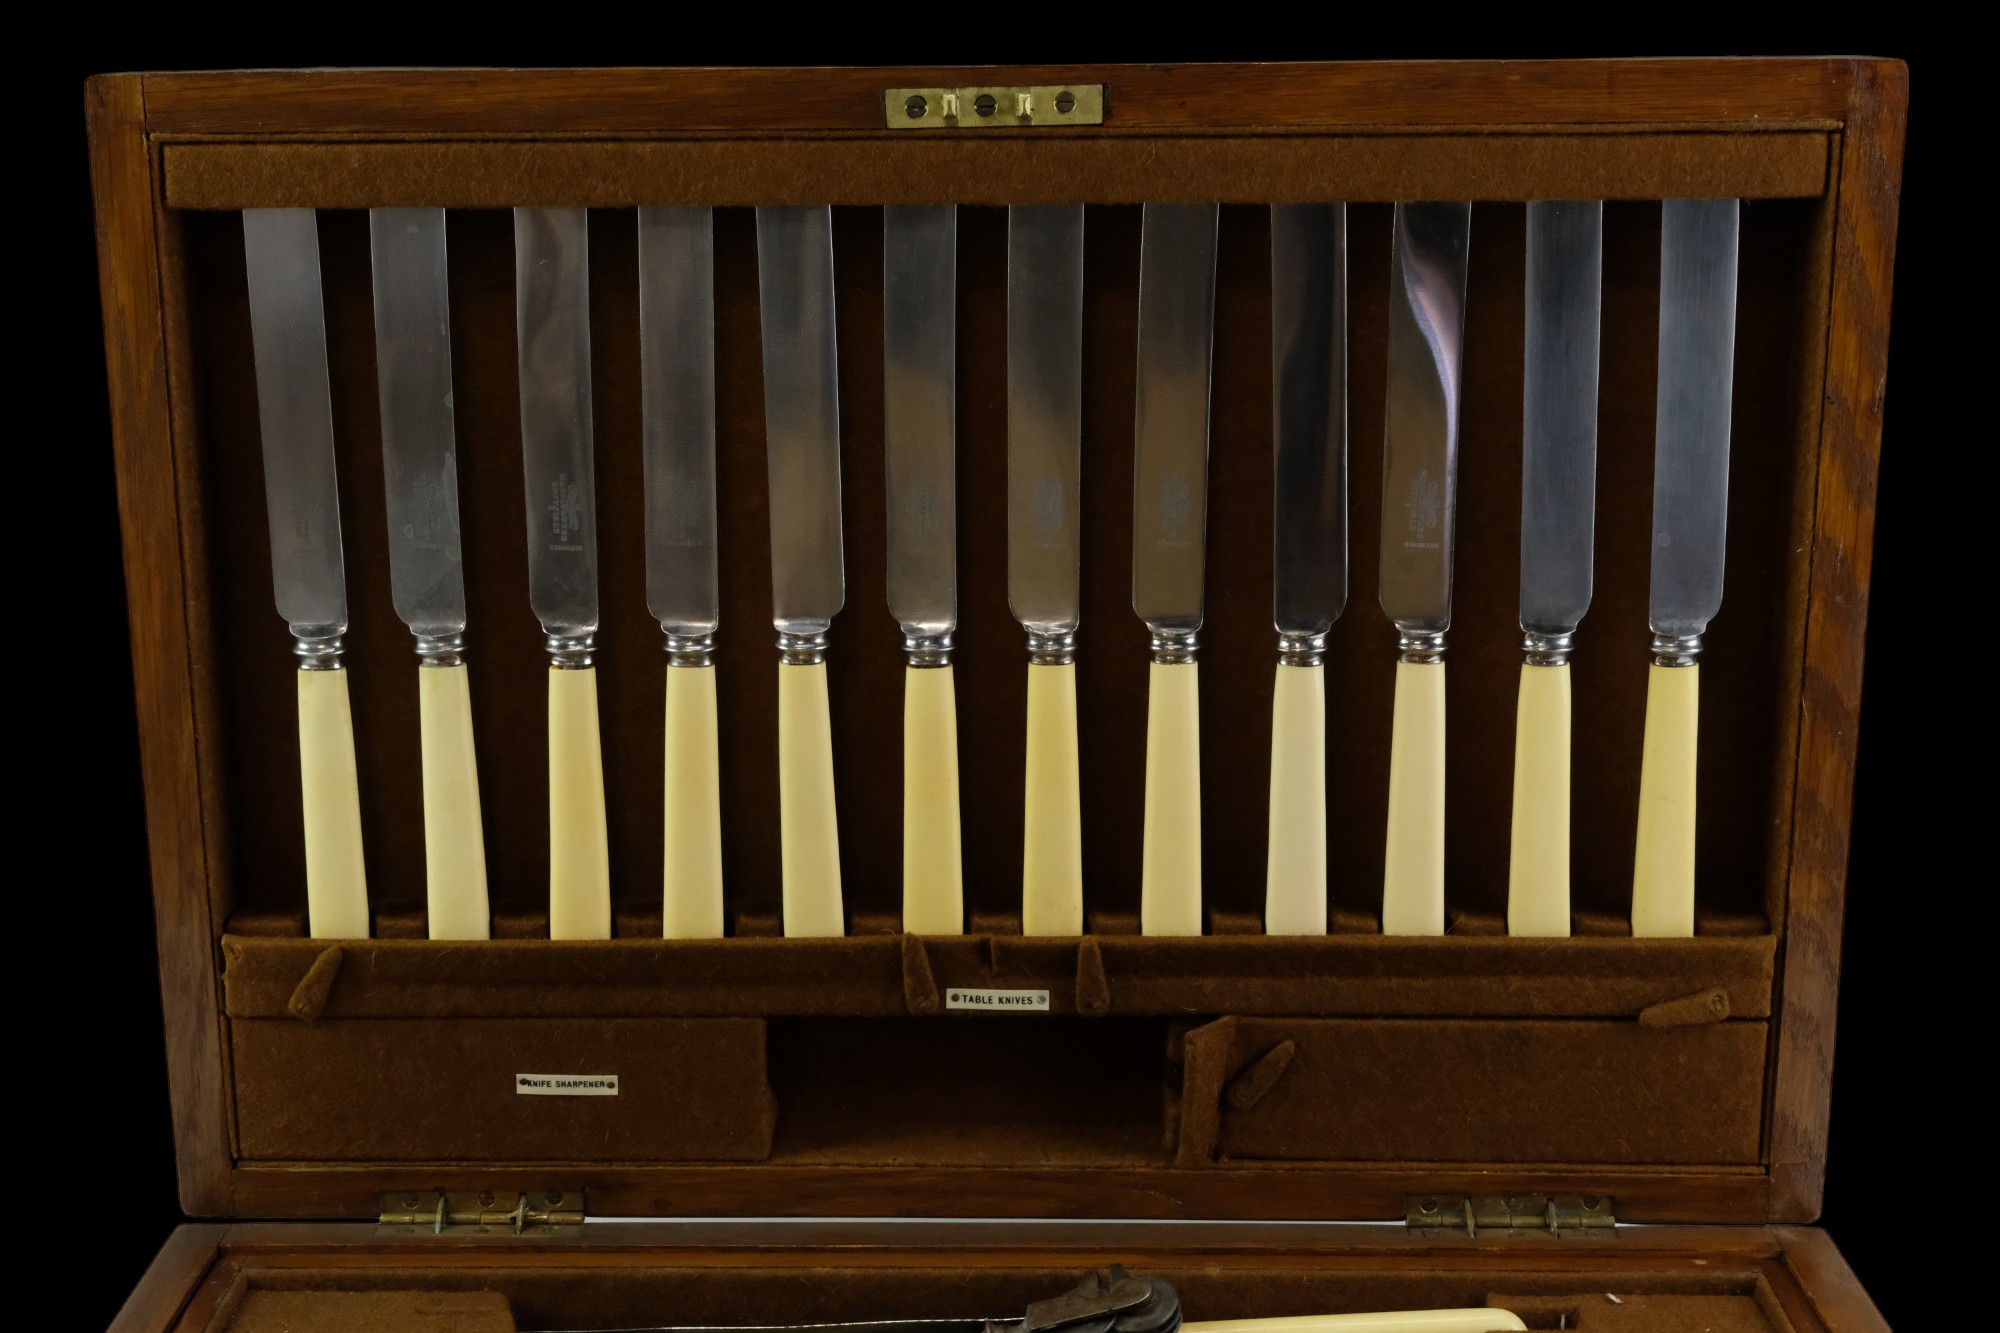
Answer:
(1173, 647)
(1058, 649)
(319, 652)
(801, 649)
(1546, 649)
(927, 650)
(1301, 650)
(1670, 650)
(690, 650)
(1420, 648)
(570, 652)
(440, 650)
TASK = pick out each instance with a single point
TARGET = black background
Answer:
(106, 1103)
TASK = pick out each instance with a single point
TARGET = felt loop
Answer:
(1093, 987)
(920, 988)
(1248, 1088)
(1708, 1006)
(309, 997)
(1205, 1062)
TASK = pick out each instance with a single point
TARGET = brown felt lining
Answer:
(593, 1296)
(1068, 168)
(1750, 682)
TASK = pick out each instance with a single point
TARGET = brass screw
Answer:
(554, 1197)
(985, 105)
(409, 1201)
(916, 107)
(1065, 101)
(1590, 1202)
(486, 1198)
(1427, 1205)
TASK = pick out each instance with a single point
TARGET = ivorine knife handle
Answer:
(1052, 817)
(1295, 871)
(579, 855)
(692, 904)
(808, 828)
(933, 869)
(1393, 1321)
(1663, 866)
(1170, 871)
(336, 879)
(454, 839)
(1413, 858)
(1538, 860)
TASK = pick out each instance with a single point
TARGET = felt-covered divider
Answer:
(1392, 1090)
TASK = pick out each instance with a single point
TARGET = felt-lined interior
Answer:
(1750, 679)
(1605, 1295)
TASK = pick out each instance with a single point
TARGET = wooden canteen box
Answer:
(347, 1121)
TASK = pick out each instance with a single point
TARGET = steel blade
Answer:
(1420, 434)
(295, 418)
(552, 311)
(1170, 462)
(801, 416)
(1565, 290)
(1044, 414)
(419, 441)
(1309, 412)
(919, 425)
(677, 386)
(1698, 241)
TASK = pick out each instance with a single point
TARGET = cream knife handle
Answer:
(1663, 865)
(1397, 1321)
(330, 797)
(1538, 858)
(1170, 871)
(691, 908)
(1413, 856)
(1052, 816)
(454, 838)
(579, 858)
(808, 827)
(933, 866)
(1295, 871)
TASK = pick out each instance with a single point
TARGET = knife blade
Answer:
(552, 315)
(1564, 295)
(1427, 273)
(919, 324)
(677, 393)
(1169, 539)
(302, 498)
(1698, 272)
(426, 568)
(808, 578)
(1309, 547)
(1044, 492)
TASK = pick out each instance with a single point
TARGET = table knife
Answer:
(1419, 496)
(808, 579)
(1309, 548)
(919, 433)
(295, 419)
(1169, 540)
(426, 568)
(1698, 256)
(677, 391)
(1565, 288)
(1044, 495)
(552, 310)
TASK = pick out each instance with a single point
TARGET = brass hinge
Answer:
(480, 1212)
(986, 108)
(1511, 1215)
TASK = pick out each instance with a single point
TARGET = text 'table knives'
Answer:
(1698, 270)
(295, 419)
(426, 565)
(677, 392)
(1427, 272)
(1044, 494)
(552, 314)
(1564, 298)
(808, 578)
(1169, 545)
